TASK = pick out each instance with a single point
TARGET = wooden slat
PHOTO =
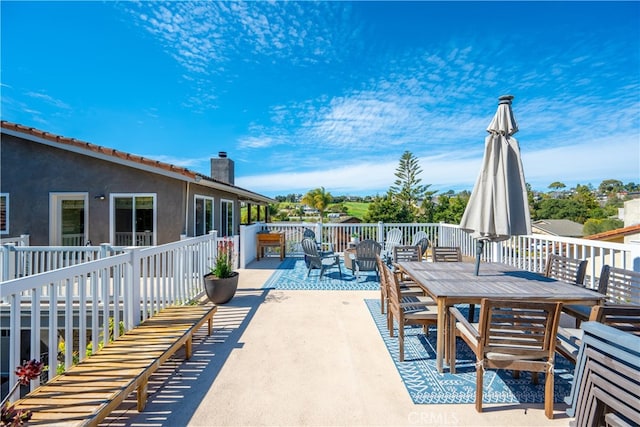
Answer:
(86, 393)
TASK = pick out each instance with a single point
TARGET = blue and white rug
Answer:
(292, 275)
(426, 385)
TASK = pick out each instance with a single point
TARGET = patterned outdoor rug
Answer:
(426, 385)
(292, 275)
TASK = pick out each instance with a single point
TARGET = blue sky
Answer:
(308, 94)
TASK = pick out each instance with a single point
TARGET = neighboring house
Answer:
(61, 192)
(619, 235)
(557, 227)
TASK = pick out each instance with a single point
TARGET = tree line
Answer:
(408, 200)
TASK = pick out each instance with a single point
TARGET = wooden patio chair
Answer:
(451, 254)
(620, 316)
(365, 257)
(316, 259)
(570, 270)
(409, 291)
(446, 254)
(622, 286)
(406, 313)
(512, 334)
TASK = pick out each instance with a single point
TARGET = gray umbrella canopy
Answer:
(498, 207)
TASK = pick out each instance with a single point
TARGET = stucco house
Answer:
(62, 191)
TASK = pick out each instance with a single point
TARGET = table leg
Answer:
(440, 340)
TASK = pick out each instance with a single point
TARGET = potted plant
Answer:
(222, 282)
(355, 237)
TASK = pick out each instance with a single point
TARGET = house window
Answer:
(203, 215)
(4, 213)
(226, 218)
(133, 219)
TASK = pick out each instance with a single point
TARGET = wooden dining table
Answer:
(450, 283)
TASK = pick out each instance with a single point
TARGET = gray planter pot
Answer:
(220, 291)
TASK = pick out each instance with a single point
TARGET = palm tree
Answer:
(318, 198)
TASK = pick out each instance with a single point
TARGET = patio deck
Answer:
(298, 358)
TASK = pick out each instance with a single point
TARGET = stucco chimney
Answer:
(222, 168)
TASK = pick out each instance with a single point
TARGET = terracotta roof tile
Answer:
(96, 148)
(617, 232)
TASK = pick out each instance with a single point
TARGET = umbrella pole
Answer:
(479, 248)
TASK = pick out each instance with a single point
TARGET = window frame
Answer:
(5, 207)
(225, 219)
(112, 215)
(205, 199)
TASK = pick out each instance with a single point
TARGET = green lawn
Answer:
(357, 209)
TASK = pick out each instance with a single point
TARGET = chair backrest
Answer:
(424, 244)
(623, 317)
(309, 233)
(418, 236)
(393, 238)
(524, 329)
(310, 248)
(366, 252)
(446, 254)
(392, 288)
(407, 253)
(621, 286)
(570, 270)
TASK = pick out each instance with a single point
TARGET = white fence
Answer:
(525, 252)
(96, 298)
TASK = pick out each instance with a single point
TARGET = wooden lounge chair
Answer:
(512, 334)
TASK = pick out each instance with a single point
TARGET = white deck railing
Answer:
(84, 303)
(93, 291)
(525, 252)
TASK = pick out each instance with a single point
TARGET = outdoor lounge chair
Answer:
(512, 334)
(365, 257)
(393, 238)
(316, 259)
(421, 239)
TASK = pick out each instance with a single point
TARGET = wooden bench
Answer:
(265, 240)
(606, 384)
(88, 392)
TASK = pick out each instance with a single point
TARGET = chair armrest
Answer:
(465, 323)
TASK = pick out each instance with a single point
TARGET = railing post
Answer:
(318, 232)
(6, 261)
(635, 255)
(380, 237)
(132, 290)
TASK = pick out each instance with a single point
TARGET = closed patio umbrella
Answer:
(498, 207)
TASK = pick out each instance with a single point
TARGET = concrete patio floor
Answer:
(298, 358)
